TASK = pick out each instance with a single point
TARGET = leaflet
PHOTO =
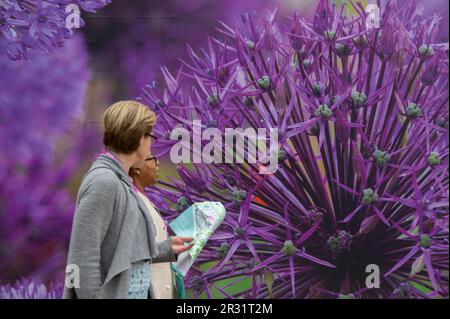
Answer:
(199, 221)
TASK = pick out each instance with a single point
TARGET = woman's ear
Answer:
(134, 171)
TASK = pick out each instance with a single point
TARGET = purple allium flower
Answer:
(363, 174)
(37, 24)
(31, 288)
(40, 102)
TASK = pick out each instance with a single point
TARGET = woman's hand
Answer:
(178, 244)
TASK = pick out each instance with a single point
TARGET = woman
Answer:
(161, 274)
(113, 237)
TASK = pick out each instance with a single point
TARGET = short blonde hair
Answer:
(124, 123)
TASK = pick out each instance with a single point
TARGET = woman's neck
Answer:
(138, 184)
(126, 160)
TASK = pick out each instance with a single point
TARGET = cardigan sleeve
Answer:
(166, 253)
(92, 218)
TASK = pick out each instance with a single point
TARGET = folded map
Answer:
(198, 221)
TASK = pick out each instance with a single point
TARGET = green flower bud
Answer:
(323, 110)
(425, 241)
(281, 154)
(425, 51)
(334, 244)
(433, 159)
(264, 82)
(413, 110)
(369, 196)
(330, 35)
(213, 100)
(340, 242)
(381, 158)
(239, 196)
(358, 98)
(317, 89)
(306, 63)
(289, 248)
(342, 49)
(360, 41)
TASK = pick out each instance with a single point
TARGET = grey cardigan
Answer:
(111, 230)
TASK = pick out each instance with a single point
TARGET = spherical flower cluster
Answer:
(362, 180)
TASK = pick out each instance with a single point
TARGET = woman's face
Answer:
(149, 172)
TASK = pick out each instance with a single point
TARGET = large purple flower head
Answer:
(40, 102)
(362, 180)
(40, 25)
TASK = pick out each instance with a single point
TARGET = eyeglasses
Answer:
(153, 158)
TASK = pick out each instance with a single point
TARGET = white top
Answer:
(161, 274)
